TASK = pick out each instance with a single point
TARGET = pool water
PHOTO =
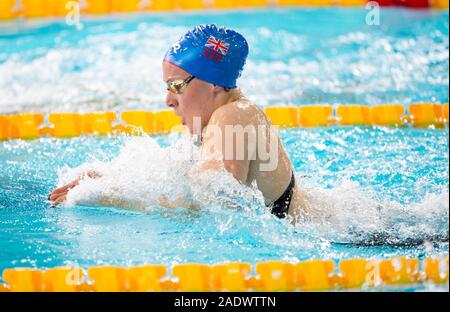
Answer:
(378, 192)
(325, 55)
(354, 171)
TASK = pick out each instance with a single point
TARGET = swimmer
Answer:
(201, 71)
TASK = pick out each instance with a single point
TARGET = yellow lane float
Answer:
(357, 273)
(315, 275)
(283, 116)
(98, 123)
(231, 276)
(10, 9)
(192, 277)
(387, 115)
(353, 115)
(315, 115)
(64, 125)
(426, 114)
(25, 126)
(312, 275)
(139, 120)
(276, 276)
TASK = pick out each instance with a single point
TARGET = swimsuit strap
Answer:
(280, 207)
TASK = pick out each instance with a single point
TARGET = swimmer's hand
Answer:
(59, 195)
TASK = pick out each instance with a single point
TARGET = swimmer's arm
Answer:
(177, 203)
(59, 195)
(121, 203)
(135, 205)
(163, 202)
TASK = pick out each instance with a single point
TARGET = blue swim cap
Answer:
(210, 53)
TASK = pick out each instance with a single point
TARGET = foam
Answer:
(347, 213)
(145, 172)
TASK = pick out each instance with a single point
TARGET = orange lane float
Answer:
(8, 9)
(25, 126)
(353, 115)
(283, 116)
(387, 114)
(231, 276)
(315, 115)
(11, 9)
(63, 125)
(312, 275)
(426, 114)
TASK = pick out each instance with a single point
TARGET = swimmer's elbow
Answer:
(239, 171)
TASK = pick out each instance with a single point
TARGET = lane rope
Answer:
(309, 275)
(65, 125)
(13, 9)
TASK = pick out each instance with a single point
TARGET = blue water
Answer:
(296, 56)
(401, 165)
(377, 184)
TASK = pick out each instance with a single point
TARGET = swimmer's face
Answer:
(195, 101)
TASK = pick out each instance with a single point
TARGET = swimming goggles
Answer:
(179, 85)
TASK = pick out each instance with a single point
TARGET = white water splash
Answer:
(144, 172)
(347, 213)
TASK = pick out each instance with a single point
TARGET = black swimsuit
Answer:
(280, 207)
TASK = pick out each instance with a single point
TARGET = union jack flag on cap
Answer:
(213, 54)
(217, 45)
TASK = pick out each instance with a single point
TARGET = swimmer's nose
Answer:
(170, 101)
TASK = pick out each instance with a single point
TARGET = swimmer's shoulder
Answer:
(241, 111)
